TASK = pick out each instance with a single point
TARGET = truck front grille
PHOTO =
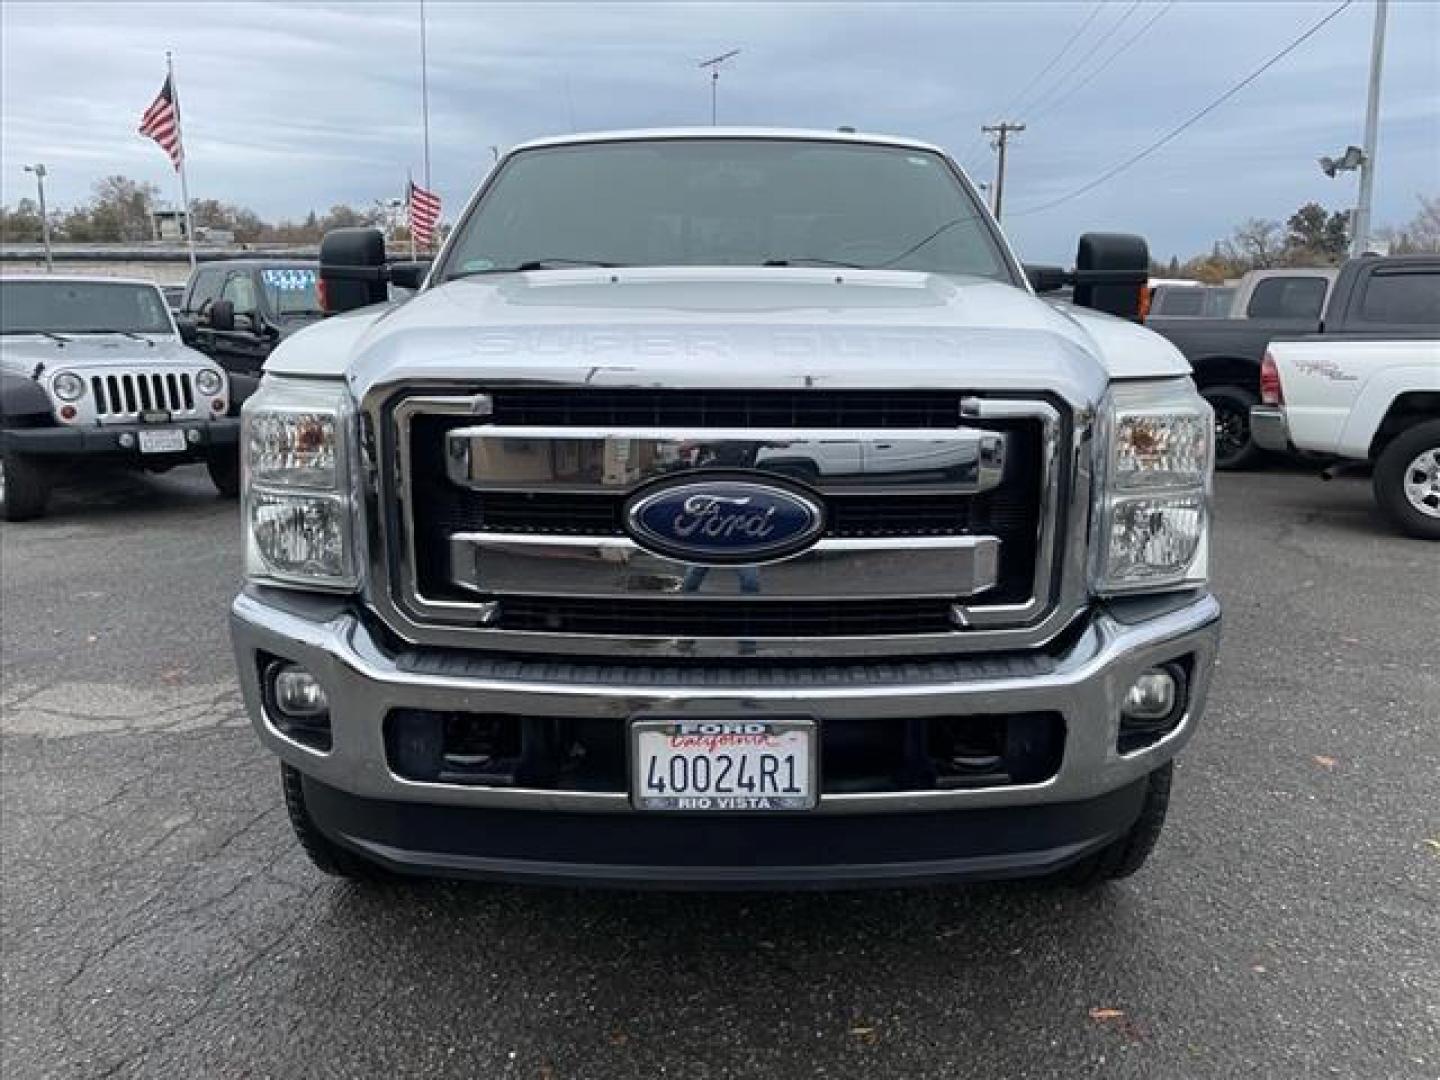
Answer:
(565, 498)
(126, 395)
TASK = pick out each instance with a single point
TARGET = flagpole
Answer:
(424, 104)
(180, 130)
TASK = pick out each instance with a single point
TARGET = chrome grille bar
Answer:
(527, 564)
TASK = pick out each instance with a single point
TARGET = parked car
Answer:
(242, 309)
(1194, 301)
(95, 373)
(1367, 386)
(1225, 352)
(525, 602)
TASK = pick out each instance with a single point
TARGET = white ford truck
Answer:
(1366, 388)
(727, 510)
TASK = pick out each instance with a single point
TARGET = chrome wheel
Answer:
(1422, 482)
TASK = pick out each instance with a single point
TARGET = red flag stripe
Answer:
(424, 209)
(161, 122)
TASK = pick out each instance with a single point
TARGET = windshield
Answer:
(291, 290)
(727, 202)
(32, 307)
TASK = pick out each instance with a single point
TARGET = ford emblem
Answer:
(719, 522)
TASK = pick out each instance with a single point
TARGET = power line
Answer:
(1045, 99)
(1070, 42)
(1196, 118)
(1159, 14)
(1076, 36)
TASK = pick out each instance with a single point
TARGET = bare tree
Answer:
(1257, 244)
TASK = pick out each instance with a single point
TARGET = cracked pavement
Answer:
(157, 919)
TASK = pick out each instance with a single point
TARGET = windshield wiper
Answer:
(808, 260)
(535, 264)
(42, 333)
(120, 333)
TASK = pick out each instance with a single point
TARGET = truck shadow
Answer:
(798, 978)
(104, 495)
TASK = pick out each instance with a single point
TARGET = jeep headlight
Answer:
(296, 439)
(67, 386)
(209, 381)
(1151, 527)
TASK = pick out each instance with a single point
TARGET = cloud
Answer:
(290, 107)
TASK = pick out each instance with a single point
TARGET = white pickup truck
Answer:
(1367, 387)
(725, 510)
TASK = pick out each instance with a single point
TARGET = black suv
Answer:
(240, 310)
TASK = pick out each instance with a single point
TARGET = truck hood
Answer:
(741, 327)
(23, 353)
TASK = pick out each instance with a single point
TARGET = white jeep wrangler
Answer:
(94, 372)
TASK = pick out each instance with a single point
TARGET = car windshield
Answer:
(727, 202)
(291, 290)
(79, 307)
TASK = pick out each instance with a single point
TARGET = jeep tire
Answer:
(1125, 855)
(327, 856)
(24, 488)
(225, 474)
(1412, 458)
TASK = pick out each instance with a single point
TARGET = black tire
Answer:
(327, 856)
(1234, 446)
(225, 474)
(24, 488)
(1391, 470)
(1122, 857)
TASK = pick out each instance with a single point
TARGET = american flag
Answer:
(424, 213)
(161, 122)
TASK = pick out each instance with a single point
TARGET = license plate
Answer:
(162, 442)
(723, 765)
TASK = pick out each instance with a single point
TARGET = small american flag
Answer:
(424, 213)
(161, 122)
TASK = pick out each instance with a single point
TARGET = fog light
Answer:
(1151, 696)
(127, 441)
(298, 693)
(192, 436)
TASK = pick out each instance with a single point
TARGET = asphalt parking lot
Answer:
(158, 919)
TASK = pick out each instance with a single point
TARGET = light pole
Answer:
(39, 171)
(1361, 224)
(714, 65)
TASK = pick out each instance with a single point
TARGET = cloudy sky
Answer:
(294, 106)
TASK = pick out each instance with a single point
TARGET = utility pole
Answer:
(1002, 132)
(714, 65)
(39, 171)
(1360, 227)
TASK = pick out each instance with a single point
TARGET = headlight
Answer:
(209, 381)
(67, 386)
(296, 439)
(1156, 448)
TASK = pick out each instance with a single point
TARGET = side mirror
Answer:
(409, 275)
(221, 316)
(189, 331)
(1112, 272)
(1046, 279)
(352, 269)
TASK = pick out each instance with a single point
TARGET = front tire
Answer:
(327, 856)
(1234, 446)
(1407, 480)
(24, 488)
(225, 475)
(1123, 857)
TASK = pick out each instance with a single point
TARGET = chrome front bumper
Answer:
(1268, 428)
(365, 682)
